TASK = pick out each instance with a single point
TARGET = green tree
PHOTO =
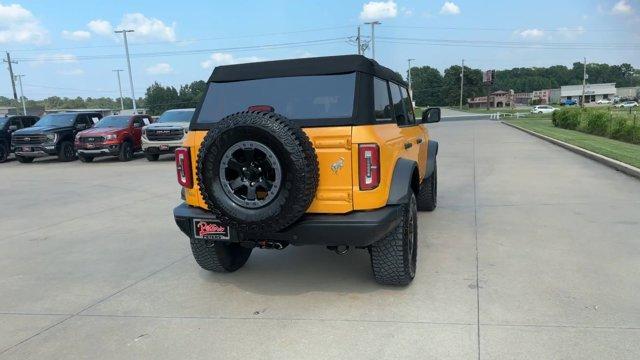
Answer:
(427, 86)
(160, 98)
(451, 85)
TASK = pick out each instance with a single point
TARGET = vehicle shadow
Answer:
(299, 270)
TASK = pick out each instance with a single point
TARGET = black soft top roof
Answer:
(326, 65)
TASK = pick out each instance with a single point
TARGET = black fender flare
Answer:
(405, 175)
(432, 152)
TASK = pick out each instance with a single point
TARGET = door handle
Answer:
(407, 145)
(419, 141)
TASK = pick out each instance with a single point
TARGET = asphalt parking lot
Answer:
(533, 253)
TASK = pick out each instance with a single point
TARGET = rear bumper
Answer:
(358, 228)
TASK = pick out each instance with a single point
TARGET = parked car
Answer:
(568, 102)
(323, 151)
(628, 104)
(53, 135)
(543, 109)
(8, 125)
(604, 101)
(166, 134)
(116, 135)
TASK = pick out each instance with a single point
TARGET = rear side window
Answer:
(382, 105)
(398, 105)
(297, 98)
(408, 107)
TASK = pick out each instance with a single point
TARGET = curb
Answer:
(620, 166)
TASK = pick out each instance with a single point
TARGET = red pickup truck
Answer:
(116, 135)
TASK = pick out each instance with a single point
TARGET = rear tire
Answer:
(66, 152)
(126, 151)
(220, 256)
(24, 160)
(152, 157)
(393, 258)
(85, 158)
(4, 153)
(428, 194)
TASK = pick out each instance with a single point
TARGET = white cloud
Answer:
(217, 59)
(18, 25)
(571, 33)
(376, 10)
(531, 34)
(622, 7)
(78, 35)
(56, 59)
(406, 11)
(450, 8)
(100, 27)
(147, 28)
(160, 69)
(71, 72)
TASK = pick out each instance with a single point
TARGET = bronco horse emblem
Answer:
(337, 166)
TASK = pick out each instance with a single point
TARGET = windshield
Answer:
(176, 116)
(297, 98)
(114, 122)
(57, 120)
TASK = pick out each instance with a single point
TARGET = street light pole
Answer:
(24, 107)
(117, 71)
(373, 37)
(409, 78)
(584, 79)
(126, 50)
(461, 83)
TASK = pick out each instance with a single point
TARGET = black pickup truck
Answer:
(8, 125)
(53, 135)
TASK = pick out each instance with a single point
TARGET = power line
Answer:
(188, 41)
(495, 43)
(576, 29)
(190, 52)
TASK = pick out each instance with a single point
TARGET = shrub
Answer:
(625, 130)
(597, 122)
(566, 118)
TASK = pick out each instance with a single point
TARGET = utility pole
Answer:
(13, 79)
(126, 50)
(117, 71)
(409, 78)
(461, 83)
(24, 107)
(373, 37)
(359, 42)
(584, 79)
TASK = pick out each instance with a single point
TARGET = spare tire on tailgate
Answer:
(257, 171)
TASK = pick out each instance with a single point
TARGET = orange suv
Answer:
(316, 151)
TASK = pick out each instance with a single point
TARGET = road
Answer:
(533, 253)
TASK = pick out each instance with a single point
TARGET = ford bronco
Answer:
(323, 151)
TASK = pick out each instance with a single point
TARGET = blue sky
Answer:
(67, 48)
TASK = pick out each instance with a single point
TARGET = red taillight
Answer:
(183, 167)
(369, 166)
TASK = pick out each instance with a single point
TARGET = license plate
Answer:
(212, 230)
(164, 147)
(26, 148)
(90, 146)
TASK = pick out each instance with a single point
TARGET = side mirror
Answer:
(431, 115)
(13, 127)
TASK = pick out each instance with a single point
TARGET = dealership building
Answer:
(592, 92)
